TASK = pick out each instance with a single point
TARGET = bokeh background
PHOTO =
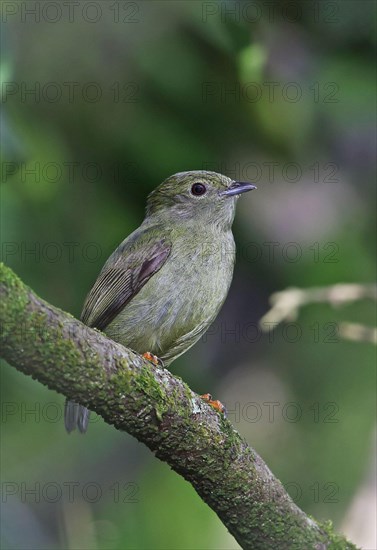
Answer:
(100, 102)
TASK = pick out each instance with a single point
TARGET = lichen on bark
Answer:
(160, 410)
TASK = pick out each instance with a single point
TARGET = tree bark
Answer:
(160, 410)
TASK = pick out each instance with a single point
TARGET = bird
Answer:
(164, 285)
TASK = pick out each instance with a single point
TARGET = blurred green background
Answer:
(100, 102)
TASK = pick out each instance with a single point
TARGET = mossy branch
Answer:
(161, 411)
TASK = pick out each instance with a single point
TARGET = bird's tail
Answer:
(76, 416)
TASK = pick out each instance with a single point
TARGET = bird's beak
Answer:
(237, 187)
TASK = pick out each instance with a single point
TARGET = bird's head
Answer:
(199, 196)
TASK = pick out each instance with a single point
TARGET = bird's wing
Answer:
(122, 277)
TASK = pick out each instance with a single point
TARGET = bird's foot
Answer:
(216, 404)
(153, 359)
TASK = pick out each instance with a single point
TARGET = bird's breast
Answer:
(179, 302)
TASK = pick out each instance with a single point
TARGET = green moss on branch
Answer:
(161, 411)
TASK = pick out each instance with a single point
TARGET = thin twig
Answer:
(287, 303)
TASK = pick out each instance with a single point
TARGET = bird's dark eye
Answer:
(198, 189)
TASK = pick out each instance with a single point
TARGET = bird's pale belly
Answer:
(169, 325)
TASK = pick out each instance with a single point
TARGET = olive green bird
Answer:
(164, 285)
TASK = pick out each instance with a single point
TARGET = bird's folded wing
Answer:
(118, 283)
